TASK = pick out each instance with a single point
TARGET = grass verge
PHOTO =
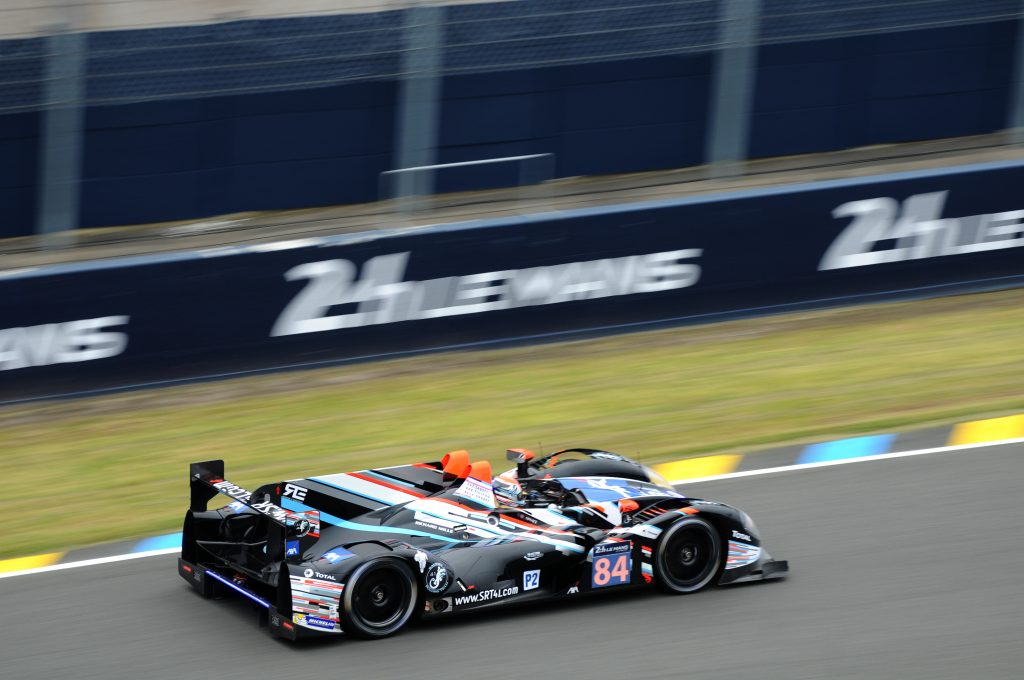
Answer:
(116, 467)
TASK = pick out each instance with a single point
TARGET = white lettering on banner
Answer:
(61, 343)
(382, 296)
(917, 230)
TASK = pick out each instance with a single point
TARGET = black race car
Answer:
(364, 552)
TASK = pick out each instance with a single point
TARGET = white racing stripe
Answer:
(92, 562)
(731, 475)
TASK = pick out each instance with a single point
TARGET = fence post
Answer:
(1015, 115)
(418, 104)
(60, 141)
(732, 87)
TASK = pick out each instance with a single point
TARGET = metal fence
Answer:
(241, 53)
(223, 47)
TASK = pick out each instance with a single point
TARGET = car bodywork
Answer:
(452, 539)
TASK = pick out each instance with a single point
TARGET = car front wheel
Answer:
(379, 598)
(689, 556)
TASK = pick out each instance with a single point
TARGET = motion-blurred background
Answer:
(714, 235)
(195, 195)
(125, 112)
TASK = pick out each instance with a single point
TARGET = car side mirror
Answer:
(522, 458)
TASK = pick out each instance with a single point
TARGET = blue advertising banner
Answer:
(117, 323)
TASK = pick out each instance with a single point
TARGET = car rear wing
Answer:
(296, 532)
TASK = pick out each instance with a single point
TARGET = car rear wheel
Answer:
(379, 598)
(689, 556)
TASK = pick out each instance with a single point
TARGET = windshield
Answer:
(599, 489)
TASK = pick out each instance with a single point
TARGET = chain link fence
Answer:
(247, 54)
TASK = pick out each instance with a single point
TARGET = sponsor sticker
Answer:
(612, 548)
(613, 564)
(438, 578)
(312, 573)
(648, 572)
(338, 554)
(291, 549)
(433, 526)
(490, 595)
(314, 621)
(296, 492)
(477, 491)
(531, 579)
(741, 555)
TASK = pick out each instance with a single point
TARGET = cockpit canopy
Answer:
(603, 489)
(594, 463)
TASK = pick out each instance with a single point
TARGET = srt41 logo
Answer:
(334, 298)
(883, 230)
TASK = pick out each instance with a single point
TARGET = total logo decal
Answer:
(62, 343)
(381, 295)
(916, 230)
(310, 573)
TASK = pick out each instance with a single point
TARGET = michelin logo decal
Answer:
(381, 295)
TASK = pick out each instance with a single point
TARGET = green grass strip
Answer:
(93, 470)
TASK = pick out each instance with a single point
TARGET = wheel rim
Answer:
(381, 597)
(691, 556)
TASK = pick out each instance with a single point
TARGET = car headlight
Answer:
(748, 524)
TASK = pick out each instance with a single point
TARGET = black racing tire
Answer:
(689, 557)
(380, 597)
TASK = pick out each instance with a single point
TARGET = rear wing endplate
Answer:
(206, 480)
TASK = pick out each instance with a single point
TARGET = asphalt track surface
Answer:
(902, 568)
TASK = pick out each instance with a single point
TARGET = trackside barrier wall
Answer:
(195, 156)
(113, 323)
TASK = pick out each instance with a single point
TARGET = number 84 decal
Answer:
(612, 564)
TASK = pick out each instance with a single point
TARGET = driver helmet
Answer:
(506, 491)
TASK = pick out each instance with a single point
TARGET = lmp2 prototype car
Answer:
(364, 552)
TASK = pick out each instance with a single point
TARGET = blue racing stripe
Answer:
(855, 447)
(294, 506)
(158, 543)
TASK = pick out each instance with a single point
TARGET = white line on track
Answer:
(730, 475)
(92, 562)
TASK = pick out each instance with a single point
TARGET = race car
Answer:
(366, 552)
